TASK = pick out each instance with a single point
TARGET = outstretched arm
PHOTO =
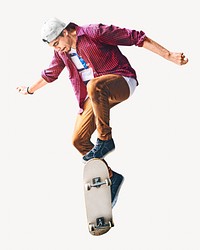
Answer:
(30, 90)
(175, 57)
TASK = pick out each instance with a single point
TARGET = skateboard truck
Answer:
(96, 182)
(100, 224)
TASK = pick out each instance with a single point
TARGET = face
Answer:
(62, 43)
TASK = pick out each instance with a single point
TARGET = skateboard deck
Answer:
(97, 197)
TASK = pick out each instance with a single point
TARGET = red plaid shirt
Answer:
(98, 45)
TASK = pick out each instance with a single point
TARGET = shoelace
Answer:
(98, 146)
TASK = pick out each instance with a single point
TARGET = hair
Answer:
(61, 34)
(71, 27)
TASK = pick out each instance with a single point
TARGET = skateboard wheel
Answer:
(91, 227)
(108, 181)
(111, 224)
(87, 186)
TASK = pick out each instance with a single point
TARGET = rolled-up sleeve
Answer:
(138, 37)
(55, 68)
(114, 35)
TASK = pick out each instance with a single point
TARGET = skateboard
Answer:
(97, 197)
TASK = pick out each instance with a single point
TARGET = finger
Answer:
(185, 60)
(182, 59)
(182, 56)
(19, 88)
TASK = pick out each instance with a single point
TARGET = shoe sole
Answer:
(85, 161)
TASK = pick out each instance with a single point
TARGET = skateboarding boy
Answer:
(101, 76)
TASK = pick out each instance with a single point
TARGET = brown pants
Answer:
(104, 92)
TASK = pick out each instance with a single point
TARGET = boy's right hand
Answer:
(22, 90)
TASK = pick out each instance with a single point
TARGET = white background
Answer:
(156, 133)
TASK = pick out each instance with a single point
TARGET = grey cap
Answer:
(51, 29)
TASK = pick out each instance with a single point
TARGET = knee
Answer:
(76, 142)
(93, 87)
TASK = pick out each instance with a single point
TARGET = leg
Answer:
(104, 93)
(84, 128)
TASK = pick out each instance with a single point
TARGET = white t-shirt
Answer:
(87, 74)
(132, 83)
